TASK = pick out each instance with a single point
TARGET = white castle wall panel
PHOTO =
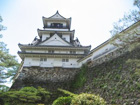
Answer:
(66, 37)
(79, 52)
(102, 50)
(50, 62)
(45, 36)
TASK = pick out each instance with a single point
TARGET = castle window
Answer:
(72, 52)
(51, 51)
(56, 25)
(43, 59)
(65, 60)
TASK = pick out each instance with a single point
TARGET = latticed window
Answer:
(56, 25)
(51, 51)
(72, 52)
(65, 60)
(43, 59)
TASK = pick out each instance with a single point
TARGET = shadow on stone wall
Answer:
(50, 78)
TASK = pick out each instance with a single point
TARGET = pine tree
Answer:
(8, 63)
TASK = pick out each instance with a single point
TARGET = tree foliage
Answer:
(87, 99)
(128, 40)
(25, 96)
(8, 62)
(128, 19)
(78, 99)
(62, 101)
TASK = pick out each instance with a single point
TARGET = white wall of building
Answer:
(66, 37)
(50, 62)
(55, 51)
(56, 41)
(79, 52)
(99, 52)
(102, 50)
(45, 36)
(58, 29)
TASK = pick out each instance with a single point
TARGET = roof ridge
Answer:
(58, 14)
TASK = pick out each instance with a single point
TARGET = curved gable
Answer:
(55, 40)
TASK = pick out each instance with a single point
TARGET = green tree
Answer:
(128, 19)
(128, 40)
(8, 63)
(25, 96)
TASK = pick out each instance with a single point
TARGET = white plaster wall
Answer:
(67, 37)
(97, 52)
(35, 61)
(59, 29)
(45, 36)
(51, 62)
(57, 16)
(79, 52)
(48, 24)
(28, 50)
(64, 52)
(71, 64)
(57, 62)
(102, 50)
(48, 63)
(37, 51)
(55, 40)
(55, 51)
(27, 61)
(64, 24)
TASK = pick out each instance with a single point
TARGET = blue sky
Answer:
(91, 19)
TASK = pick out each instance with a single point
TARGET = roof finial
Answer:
(57, 11)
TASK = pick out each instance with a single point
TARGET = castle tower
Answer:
(51, 57)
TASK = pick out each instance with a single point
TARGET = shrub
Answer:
(87, 99)
(67, 92)
(62, 101)
(29, 89)
(25, 96)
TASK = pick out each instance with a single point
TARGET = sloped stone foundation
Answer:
(50, 78)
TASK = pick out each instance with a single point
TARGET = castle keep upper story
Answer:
(55, 47)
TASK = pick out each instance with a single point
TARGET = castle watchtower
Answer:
(53, 56)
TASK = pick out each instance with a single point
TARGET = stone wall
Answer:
(50, 78)
(116, 80)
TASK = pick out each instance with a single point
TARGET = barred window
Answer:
(72, 52)
(43, 59)
(65, 60)
(51, 51)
